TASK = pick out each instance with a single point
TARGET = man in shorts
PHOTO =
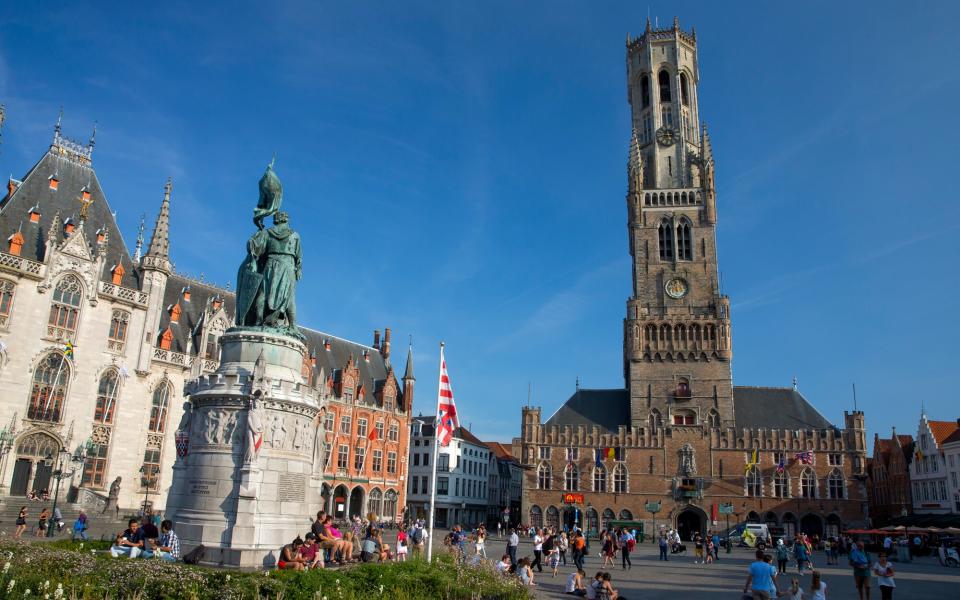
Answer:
(762, 578)
(698, 548)
(860, 561)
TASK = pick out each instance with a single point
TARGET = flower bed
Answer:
(65, 570)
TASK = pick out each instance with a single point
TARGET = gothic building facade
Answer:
(680, 440)
(97, 342)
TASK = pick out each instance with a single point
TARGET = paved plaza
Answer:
(650, 578)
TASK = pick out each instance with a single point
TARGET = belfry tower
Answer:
(677, 343)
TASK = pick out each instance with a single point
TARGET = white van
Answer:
(760, 534)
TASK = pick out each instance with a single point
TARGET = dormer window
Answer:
(175, 313)
(166, 339)
(117, 273)
(85, 194)
(101, 235)
(54, 183)
(15, 243)
(69, 226)
(186, 294)
(35, 214)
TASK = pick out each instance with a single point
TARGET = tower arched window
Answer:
(536, 516)
(684, 241)
(663, 79)
(65, 309)
(808, 484)
(599, 478)
(49, 389)
(714, 418)
(666, 241)
(684, 90)
(835, 485)
(656, 421)
(781, 485)
(7, 289)
(543, 477)
(620, 479)
(645, 91)
(159, 407)
(754, 483)
(572, 478)
(117, 335)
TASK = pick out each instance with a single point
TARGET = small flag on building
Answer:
(752, 462)
(68, 350)
(805, 457)
(780, 467)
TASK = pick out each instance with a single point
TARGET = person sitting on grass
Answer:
(609, 591)
(130, 542)
(594, 587)
(503, 567)
(311, 553)
(525, 572)
(333, 543)
(290, 556)
(370, 547)
(168, 548)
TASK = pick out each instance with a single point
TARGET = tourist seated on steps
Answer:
(290, 556)
(310, 552)
(130, 542)
(168, 548)
(333, 543)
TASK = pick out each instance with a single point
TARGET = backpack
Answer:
(631, 544)
(417, 536)
(195, 556)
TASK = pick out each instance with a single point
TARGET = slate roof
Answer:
(754, 408)
(73, 178)
(775, 408)
(426, 430)
(608, 409)
(373, 370)
(186, 332)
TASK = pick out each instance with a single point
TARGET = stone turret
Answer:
(409, 380)
(156, 267)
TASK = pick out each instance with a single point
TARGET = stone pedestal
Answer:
(243, 503)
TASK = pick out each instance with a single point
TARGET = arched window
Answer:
(682, 390)
(7, 289)
(608, 515)
(536, 516)
(753, 483)
(620, 479)
(572, 478)
(390, 505)
(543, 477)
(684, 417)
(666, 240)
(375, 501)
(159, 407)
(781, 485)
(599, 478)
(808, 484)
(49, 389)
(655, 420)
(663, 78)
(626, 515)
(684, 241)
(65, 308)
(714, 418)
(118, 330)
(107, 397)
(553, 517)
(645, 90)
(684, 91)
(593, 524)
(835, 485)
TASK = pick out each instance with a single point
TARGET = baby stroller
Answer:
(678, 548)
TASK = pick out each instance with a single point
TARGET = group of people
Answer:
(362, 540)
(142, 539)
(762, 578)
(43, 521)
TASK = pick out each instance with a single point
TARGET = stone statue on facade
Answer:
(266, 281)
(113, 497)
(254, 432)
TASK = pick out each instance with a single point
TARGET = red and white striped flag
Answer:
(447, 421)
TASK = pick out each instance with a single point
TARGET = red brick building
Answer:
(889, 486)
(367, 424)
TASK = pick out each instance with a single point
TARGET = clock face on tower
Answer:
(676, 288)
(666, 136)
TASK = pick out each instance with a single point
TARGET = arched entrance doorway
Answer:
(30, 471)
(812, 525)
(339, 509)
(356, 502)
(689, 522)
(571, 516)
(789, 526)
(834, 524)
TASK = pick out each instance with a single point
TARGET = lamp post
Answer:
(147, 476)
(63, 459)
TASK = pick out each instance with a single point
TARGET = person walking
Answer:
(800, 553)
(818, 587)
(563, 543)
(512, 542)
(627, 543)
(860, 561)
(537, 551)
(481, 540)
(80, 527)
(21, 522)
(783, 556)
(761, 579)
(42, 526)
(884, 572)
(664, 545)
(578, 545)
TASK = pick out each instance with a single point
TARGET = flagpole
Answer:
(436, 459)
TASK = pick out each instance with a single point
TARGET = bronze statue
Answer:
(266, 282)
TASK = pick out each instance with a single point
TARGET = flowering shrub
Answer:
(73, 571)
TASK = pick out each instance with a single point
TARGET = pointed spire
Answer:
(138, 251)
(635, 162)
(649, 27)
(160, 242)
(676, 23)
(56, 128)
(408, 373)
(93, 136)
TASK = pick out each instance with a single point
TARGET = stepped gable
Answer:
(775, 408)
(373, 369)
(192, 312)
(73, 178)
(607, 409)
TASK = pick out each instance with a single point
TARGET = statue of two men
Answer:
(266, 282)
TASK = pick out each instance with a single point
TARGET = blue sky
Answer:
(457, 171)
